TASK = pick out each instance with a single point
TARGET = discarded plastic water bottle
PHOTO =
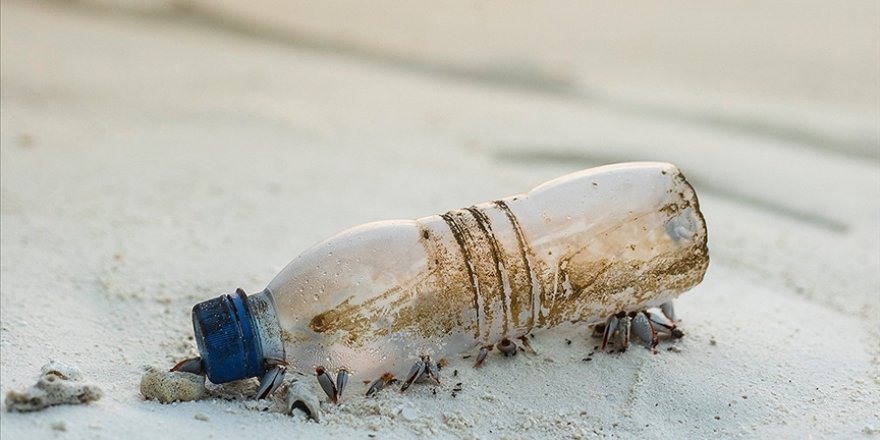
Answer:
(584, 247)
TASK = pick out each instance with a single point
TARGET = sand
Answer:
(150, 160)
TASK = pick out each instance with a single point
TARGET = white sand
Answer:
(149, 162)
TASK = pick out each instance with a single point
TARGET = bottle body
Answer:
(576, 249)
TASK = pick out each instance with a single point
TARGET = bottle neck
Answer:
(265, 321)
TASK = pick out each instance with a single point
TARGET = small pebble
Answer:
(674, 349)
(200, 416)
(59, 426)
(409, 413)
(712, 340)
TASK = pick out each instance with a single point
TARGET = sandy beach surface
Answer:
(153, 155)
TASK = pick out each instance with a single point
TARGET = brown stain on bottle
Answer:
(437, 303)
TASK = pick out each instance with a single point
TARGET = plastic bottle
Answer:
(373, 298)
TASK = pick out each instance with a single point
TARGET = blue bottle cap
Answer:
(228, 342)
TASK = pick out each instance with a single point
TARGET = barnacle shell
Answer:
(301, 396)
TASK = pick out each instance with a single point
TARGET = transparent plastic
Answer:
(575, 249)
